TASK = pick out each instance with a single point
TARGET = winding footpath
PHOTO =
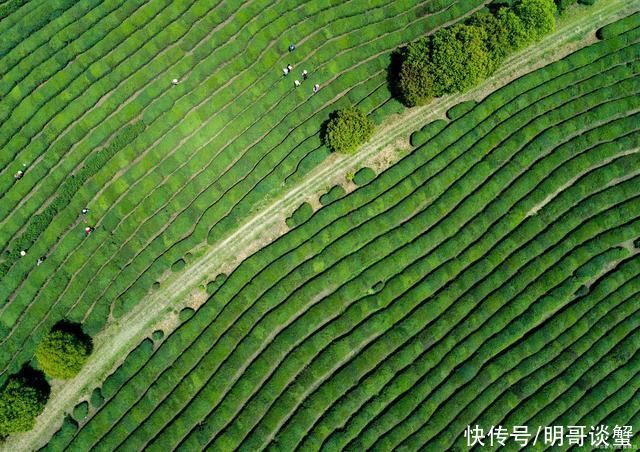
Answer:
(158, 308)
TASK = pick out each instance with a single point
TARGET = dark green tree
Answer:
(505, 34)
(512, 29)
(22, 399)
(459, 58)
(348, 129)
(415, 82)
(62, 353)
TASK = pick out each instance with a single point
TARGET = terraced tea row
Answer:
(214, 145)
(429, 298)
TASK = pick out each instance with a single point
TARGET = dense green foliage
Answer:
(618, 27)
(97, 398)
(364, 176)
(157, 335)
(178, 265)
(415, 80)
(22, 398)
(232, 135)
(65, 193)
(332, 195)
(372, 321)
(185, 314)
(300, 215)
(538, 18)
(212, 286)
(457, 58)
(459, 110)
(80, 411)
(64, 435)
(62, 353)
(348, 129)
(428, 131)
(447, 291)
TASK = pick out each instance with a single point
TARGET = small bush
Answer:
(332, 195)
(364, 176)
(214, 285)
(96, 398)
(178, 265)
(63, 351)
(185, 314)
(157, 335)
(80, 411)
(428, 131)
(348, 129)
(300, 215)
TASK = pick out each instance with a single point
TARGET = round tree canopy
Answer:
(348, 129)
(63, 352)
(21, 400)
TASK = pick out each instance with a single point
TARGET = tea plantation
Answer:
(488, 275)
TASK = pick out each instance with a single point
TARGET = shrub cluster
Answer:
(457, 58)
(62, 353)
(348, 129)
(21, 400)
(66, 191)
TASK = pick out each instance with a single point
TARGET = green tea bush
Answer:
(66, 192)
(63, 436)
(214, 285)
(460, 109)
(157, 335)
(428, 131)
(332, 195)
(220, 352)
(133, 362)
(80, 411)
(364, 176)
(619, 27)
(300, 215)
(97, 399)
(185, 314)
(178, 265)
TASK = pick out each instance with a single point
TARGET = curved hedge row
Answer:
(187, 161)
(58, 287)
(428, 298)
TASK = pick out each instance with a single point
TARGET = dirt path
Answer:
(159, 308)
